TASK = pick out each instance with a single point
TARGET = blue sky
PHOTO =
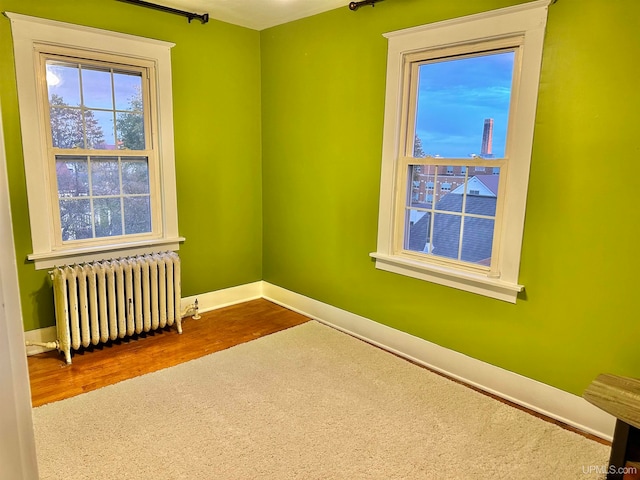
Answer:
(454, 98)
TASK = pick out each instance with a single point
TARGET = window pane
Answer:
(128, 91)
(130, 131)
(477, 240)
(137, 214)
(75, 219)
(421, 188)
(135, 176)
(482, 194)
(448, 201)
(419, 226)
(463, 106)
(66, 125)
(63, 83)
(96, 88)
(72, 176)
(105, 177)
(107, 217)
(446, 235)
(99, 130)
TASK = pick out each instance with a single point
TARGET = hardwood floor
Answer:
(52, 379)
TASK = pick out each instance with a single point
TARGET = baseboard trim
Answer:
(537, 396)
(225, 297)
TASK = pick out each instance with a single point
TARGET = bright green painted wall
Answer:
(322, 104)
(216, 93)
(310, 205)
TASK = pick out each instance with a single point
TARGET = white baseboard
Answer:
(225, 297)
(539, 397)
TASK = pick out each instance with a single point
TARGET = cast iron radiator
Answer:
(107, 300)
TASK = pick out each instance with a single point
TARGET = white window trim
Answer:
(527, 20)
(29, 31)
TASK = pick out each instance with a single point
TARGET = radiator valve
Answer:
(196, 316)
(192, 310)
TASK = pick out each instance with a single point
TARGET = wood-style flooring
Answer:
(52, 379)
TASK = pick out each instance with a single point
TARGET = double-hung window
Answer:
(100, 143)
(459, 118)
(97, 129)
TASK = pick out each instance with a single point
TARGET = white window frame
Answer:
(30, 36)
(527, 22)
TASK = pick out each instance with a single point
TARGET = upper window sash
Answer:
(413, 62)
(145, 69)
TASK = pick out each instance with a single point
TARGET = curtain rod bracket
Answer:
(353, 6)
(204, 18)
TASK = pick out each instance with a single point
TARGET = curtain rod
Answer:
(356, 5)
(204, 18)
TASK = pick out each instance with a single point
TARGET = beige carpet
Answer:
(305, 403)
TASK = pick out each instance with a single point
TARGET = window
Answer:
(98, 160)
(461, 96)
(100, 144)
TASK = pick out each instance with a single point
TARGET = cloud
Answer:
(456, 96)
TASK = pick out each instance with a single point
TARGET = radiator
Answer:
(113, 299)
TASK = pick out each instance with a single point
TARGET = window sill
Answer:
(102, 252)
(470, 282)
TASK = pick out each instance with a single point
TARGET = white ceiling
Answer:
(255, 14)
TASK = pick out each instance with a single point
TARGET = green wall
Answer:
(216, 94)
(322, 110)
(278, 151)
